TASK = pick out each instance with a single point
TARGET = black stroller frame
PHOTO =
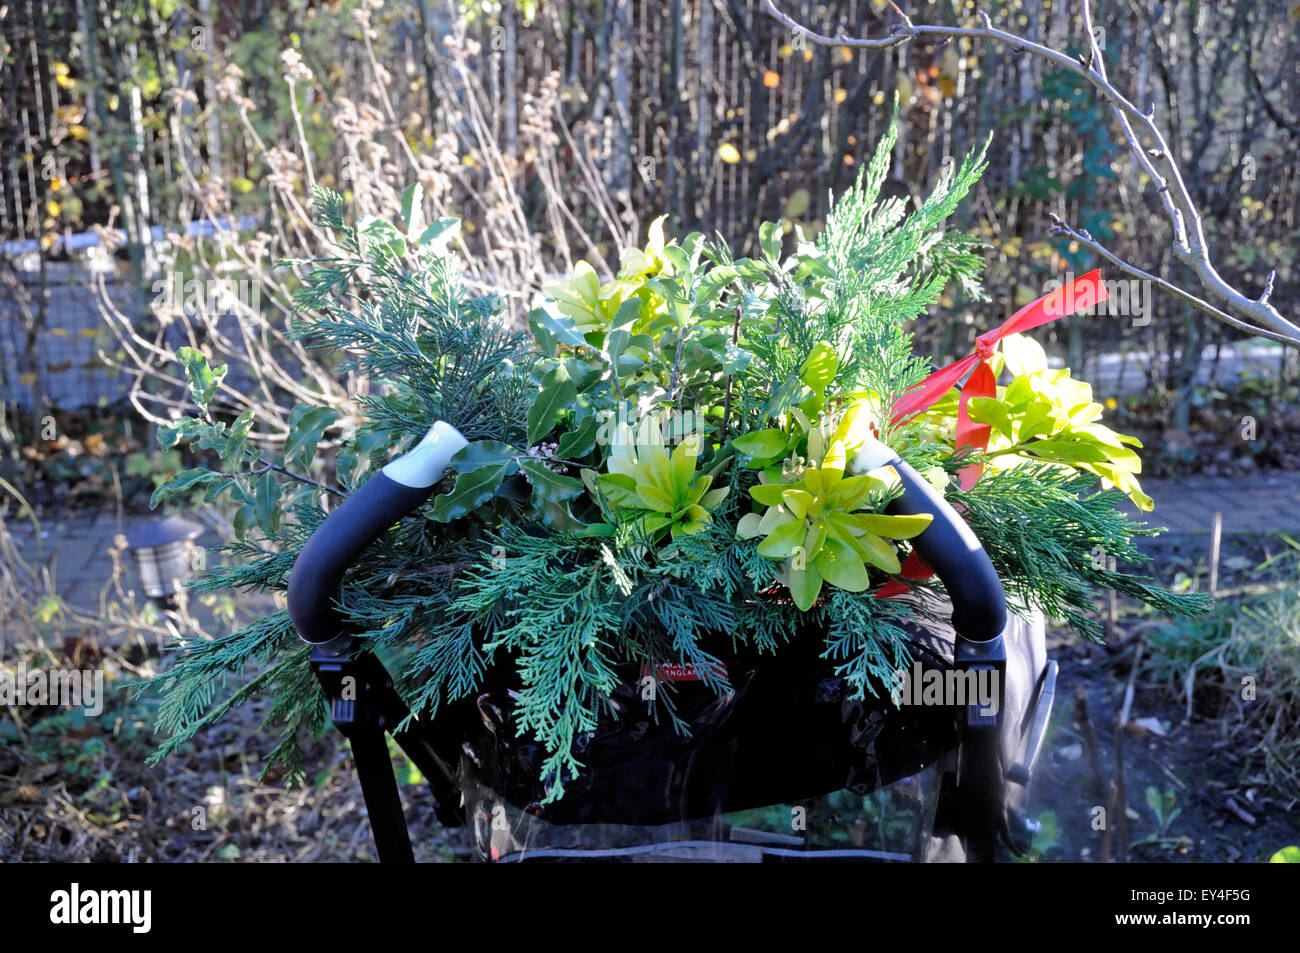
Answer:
(987, 756)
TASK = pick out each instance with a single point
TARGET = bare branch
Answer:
(1063, 230)
(1253, 315)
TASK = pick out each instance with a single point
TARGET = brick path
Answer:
(79, 544)
(1262, 503)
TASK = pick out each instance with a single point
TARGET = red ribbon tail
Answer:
(982, 383)
(913, 567)
(923, 395)
(895, 587)
(1083, 292)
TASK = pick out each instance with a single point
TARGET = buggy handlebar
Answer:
(396, 490)
(947, 544)
(949, 547)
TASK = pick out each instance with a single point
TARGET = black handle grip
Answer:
(336, 545)
(979, 606)
(947, 545)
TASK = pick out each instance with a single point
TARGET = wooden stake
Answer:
(1090, 742)
(1118, 787)
(1110, 824)
(1216, 536)
(1112, 604)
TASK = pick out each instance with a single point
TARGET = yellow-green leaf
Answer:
(805, 586)
(878, 552)
(655, 499)
(797, 501)
(781, 542)
(762, 444)
(769, 494)
(747, 527)
(894, 527)
(840, 564)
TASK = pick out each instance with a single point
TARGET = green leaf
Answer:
(1105, 435)
(653, 523)
(989, 410)
(217, 487)
(762, 444)
(381, 238)
(736, 359)
(202, 379)
(878, 552)
(682, 465)
(820, 368)
(484, 453)
(784, 396)
(182, 430)
(654, 499)
(1038, 420)
(841, 565)
(781, 542)
(620, 335)
(676, 257)
(182, 482)
(894, 527)
(619, 489)
(307, 424)
(242, 520)
(769, 494)
(580, 442)
(557, 395)
(769, 239)
(797, 501)
(439, 235)
(472, 489)
(549, 328)
(805, 586)
(557, 516)
(711, 284)
(412, 212)
(237, 441)
(593, 529)
(549, 486)
(1068, 451)
(266, 502)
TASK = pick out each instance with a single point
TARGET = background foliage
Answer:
(556, 129)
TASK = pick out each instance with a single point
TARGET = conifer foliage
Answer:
(656, 470)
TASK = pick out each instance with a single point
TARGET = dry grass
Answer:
(75, 787)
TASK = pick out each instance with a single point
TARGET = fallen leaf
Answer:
(1147, 726)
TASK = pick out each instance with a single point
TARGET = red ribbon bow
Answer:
(1081, 293)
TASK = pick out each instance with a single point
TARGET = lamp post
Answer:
(163, 553)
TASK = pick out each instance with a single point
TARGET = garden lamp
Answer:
(163, 552)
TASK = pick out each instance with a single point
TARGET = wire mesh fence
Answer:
(53, 335)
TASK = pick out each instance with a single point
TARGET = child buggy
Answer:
(788, 731)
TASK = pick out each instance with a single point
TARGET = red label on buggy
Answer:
(672, 672)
